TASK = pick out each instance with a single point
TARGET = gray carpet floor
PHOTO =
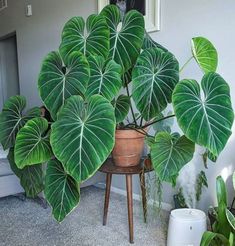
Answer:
(27, 223)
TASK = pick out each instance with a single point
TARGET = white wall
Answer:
(181, 20)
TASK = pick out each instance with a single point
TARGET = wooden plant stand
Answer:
(109, 168)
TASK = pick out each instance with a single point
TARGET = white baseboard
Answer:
(137, 197)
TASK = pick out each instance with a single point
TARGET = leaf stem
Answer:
(186, 63)
(155, 121)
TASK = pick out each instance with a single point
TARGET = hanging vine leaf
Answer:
(92, 41)
(122, 106)
(150, 43)
(13, 118)
(33, 143)
(105, 78)
(83, 136)
(31, 177)
(61, 191)
(60, 78)
(205, 54)
(125, 41)
(169, 153)
(207, 121)
(154, 78)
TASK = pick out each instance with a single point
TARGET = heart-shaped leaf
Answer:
(60, 78)
(13, 118)
(83, 136)
(169, 153)
(150, 43)
(33, 143)
(205, 120)
(31, 177)
(93, 41)
(105, 78)
(154, 78)
(122, 106)
(230, 218)
(205, 54)
(61, 191)
(125, 41)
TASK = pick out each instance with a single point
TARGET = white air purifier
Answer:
(186, 227)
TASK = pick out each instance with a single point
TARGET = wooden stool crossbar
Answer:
(109, 168)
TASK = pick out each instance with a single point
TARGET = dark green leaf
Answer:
(32, 143)
(60, 78)
(122, 106)
(169, 154)
(92, 41)
(125, 41)
(61, 191)
(205, 120)
(154, 78)
(105, 78)
(31, 177)
(12, 119)
(83, 136)
(150, 43)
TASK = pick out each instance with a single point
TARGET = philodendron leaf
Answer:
(154, 77)
(60, 78)
(150, 43)
(125, 41)
(205, 54)
(61, 191)
(105, 78)
(31, 177)
(13, 118)
(169, 153)
(122, 106)
(230, 218)
(83, 136)
(234, 180)
(205, 120)
(92, 41)
(33, 143)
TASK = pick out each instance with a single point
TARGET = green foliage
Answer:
(125, 41)
(121, 106)
(206, 121)
(154, 78)
(61, 78)
(80, 139)
(80, 85)
(61, 191)
(31, 177)
(96, 42)
(105, 78)
(33, 143)
(13, 118)
(205, 54)
(223, 229)
(169, 154)
(200, 183)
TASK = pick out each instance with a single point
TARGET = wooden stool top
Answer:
(109, 167)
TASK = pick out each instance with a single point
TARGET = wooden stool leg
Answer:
(144, 198)
(107, 195)
(130, 205)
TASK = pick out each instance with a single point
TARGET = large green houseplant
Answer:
(80, 84)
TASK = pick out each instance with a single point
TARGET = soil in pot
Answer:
(129, 145)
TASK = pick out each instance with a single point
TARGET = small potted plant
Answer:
(222, 220)
(80, 86)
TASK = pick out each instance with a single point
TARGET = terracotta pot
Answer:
(129, 145)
